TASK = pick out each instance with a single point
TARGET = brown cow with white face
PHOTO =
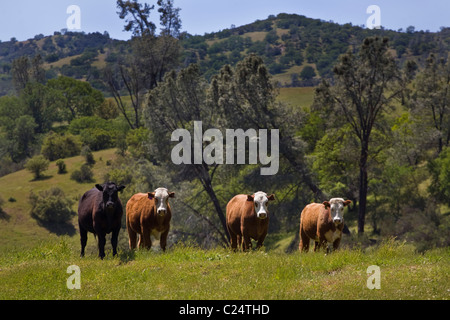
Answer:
(149, 214)
(248, 218)
(323, 223)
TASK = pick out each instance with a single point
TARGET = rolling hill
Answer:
(287, 42)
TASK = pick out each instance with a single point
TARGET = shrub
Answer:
(61, 166)
(51, 206)
(57, 146)
(85, 174)
(307, 73)
(97, 139)
(87, 154)
(440, 177)
(37, 165)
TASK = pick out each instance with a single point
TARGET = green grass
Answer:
(191, 273)
(297, 97)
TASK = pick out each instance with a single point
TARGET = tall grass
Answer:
(188, 272)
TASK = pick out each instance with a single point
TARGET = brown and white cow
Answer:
(149, 214)
(323, 223)
(248, 218)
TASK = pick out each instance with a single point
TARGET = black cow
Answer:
(100, 212)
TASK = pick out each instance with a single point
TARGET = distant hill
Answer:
(289, 43)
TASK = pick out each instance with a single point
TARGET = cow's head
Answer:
(161, 196)
(260, 200)
(110, 194)
(336, 206)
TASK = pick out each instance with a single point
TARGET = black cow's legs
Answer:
(101, 245)
(83, 240)
(114, 240)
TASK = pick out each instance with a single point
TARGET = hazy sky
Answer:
(24, 19)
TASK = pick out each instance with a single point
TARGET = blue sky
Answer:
(24, 19)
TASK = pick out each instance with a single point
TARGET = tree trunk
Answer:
(209, 189)
(363, 185)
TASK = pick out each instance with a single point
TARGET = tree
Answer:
(139, 23)
(246, 97)
(153, 55)
(36, 98)
(440, 175)
(178, 101)
(431, 98)
(25, 70)
(365, 85)
(56, 146)
(24, 137)
(169, 18)
(37, 165)
(307, 73)
(77, 98)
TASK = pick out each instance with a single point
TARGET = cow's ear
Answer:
(172, 195)
(250, 197)
(271, 197)
(151, 195)
(120, 188)
(99, 187)
(347, 202)
(326, 204)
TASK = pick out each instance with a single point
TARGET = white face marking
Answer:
(337, 210)
(161, 200)
(260, 202)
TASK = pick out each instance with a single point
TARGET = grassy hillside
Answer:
(191, 273)
(300, 97)
(17, 228)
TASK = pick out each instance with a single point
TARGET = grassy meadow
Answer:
(190, 273)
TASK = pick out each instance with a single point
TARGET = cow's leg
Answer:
(239, 241)
(101, 245)
(304, 241)
(114, 240)
(132, 238)
(83, 239)
(316, 245)
(234, 241)
(321, 244)
(145, 240)
(247, 243)
(336, 244)
(141, 241)
(163, 240)
(261, 240)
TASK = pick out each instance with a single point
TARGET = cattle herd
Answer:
(247, 217)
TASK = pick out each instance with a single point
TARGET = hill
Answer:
(288, 43)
